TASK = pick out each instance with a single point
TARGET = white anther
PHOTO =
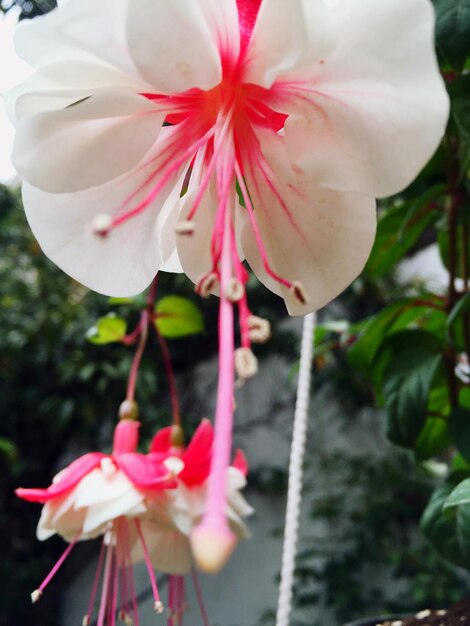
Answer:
(128, 620)
(299, 293)
(174, 465)
(206, 284)
(36, 596)
(185, 228)
(102, 224)
(235, 290)
(397, 622)
(423, 614)
(246, 364)
(107, 466)
(259, 329)
(158, 607)
(86, 621)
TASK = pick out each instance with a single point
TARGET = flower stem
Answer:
(144, 320)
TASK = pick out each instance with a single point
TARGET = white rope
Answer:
(294, 490)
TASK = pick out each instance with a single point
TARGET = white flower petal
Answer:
(222, 19)
(123, 263)
(169, 549)
(59, 84)
(278, 41)
(319, 237)
(171, 45)
(86, 144)
(79, 29)
(97, 488)
(377, 106)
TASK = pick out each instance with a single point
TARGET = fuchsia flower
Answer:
(193, 134)
(107, 495)
(145, 506)
(187, 503)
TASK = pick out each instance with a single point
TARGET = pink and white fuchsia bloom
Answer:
(195, 134)
(100, 494)
(145, 506)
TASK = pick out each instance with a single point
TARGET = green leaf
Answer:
(433, 439)
(459, 495)
(8, 450)
(178, 317)
(399, 229)
(453, 30)
(391, 319)
(459, 426)
(108, 329)
(408, 361)
(461, 308)
(440, 529)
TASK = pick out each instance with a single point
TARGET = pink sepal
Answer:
(126, 437)
(240, 463)
(197, 457)
(71, 476)
(145, 471)
(161, 443)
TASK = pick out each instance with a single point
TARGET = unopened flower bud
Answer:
(102, 224)
(259, 329)
(212, 548)
(129, 410)
(36, 596)
(299, 293)
(246, 364)
(185, 228)
(235, 290)
(158, 607)
(206, 284)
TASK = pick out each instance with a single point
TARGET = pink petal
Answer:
(240, 462)
(197, 456)
(162, 443)
(247, 14)
(69, 478)
(145, 471)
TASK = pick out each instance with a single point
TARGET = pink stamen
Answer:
(256, 230)
(148, 562)
(96, 582)
(200, 599)
(106, 583)
(130, 574)
(59, 563)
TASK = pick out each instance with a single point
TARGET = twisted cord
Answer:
(294, 491)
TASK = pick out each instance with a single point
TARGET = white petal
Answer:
(86, 144)
(82, 30)
(169, 549)
(222, 19)
(122, 264)
(378, 106)
(278, 41)
(57, 85)
(98, 487)
(319, 237)
(171, 45)
(97, 516)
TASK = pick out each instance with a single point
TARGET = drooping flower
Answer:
(107, 495)
(186, 504)
(197, 133)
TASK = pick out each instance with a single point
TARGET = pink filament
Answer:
(200, 600)
(106, 584)
(148, 562)
(59, 563)
(96, 581)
